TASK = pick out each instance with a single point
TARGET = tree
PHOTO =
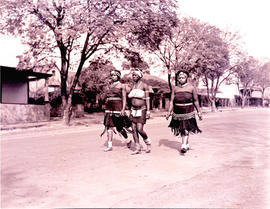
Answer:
(194, 46)
(169, 45)
(199, 48)
(245, 72)
(134, 60)
(214, 62)
(152, 32)
(65, 34)
(263, 79)
(93, 79)
(204, 50)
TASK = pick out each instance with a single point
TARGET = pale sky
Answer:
(249, 17)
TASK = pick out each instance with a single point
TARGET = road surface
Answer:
(227, 166)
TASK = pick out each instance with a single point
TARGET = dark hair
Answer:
(177, 74)
(118, 73)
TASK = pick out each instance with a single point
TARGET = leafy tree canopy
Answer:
(66, 33)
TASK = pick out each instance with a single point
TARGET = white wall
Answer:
(228, 91)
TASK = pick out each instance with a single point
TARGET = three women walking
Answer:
(183, 102)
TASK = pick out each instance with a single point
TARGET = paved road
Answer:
(227, 167)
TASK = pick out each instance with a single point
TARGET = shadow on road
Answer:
(116, 142)
(171, 144)
(168, 143)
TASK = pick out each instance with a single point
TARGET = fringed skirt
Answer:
(183, 120)
(112, 116)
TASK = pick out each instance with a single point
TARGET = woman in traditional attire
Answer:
(115, 104)
(184, 101)
(140, 110)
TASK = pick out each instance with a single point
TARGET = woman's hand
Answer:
(200, 115)
(122, 112)
(168, 115)
(147, 114)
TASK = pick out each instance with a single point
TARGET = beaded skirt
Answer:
(183, 120)
(113, 118)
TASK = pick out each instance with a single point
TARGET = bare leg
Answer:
(185, 145)
(146, 140)
(110, 137)
(129, 142)
(185, 139)
(136, 139)
(135, 133)
(141, 131)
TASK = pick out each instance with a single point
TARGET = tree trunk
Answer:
(213, 106)
(169, 81)
(68, 110)
(263, 98)
(243, 102)
(211, 98)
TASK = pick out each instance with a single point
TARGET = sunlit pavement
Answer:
(227, 166)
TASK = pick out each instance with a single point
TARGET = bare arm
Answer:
(147, 97)
(124, 97)
(171, 104)
(196, 102)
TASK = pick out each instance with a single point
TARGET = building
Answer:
(14, 96)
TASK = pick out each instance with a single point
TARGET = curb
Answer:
(87, 121)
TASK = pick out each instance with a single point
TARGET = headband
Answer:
(138, 72)
(182, 72)
(116, 73)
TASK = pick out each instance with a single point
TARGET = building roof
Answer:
(30, 75)
(152, 81)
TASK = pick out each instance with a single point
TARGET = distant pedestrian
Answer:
(115, 104)
(140, 110)
(183, 100)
